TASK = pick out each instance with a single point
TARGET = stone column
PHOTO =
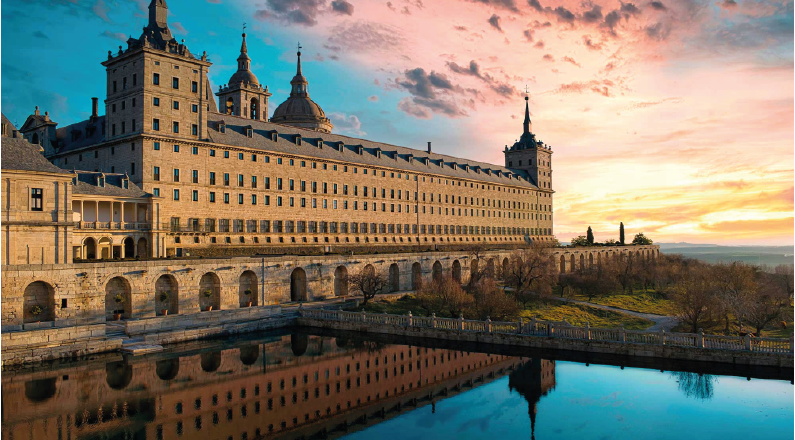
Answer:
(122, 214)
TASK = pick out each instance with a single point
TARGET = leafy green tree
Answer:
(621, 234)
(580, 240)
(590, 235)
(641, 239)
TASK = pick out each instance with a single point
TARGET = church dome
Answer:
(299, 110)
(244, 76)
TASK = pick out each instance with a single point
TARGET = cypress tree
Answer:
(590, 235)
(621, 234)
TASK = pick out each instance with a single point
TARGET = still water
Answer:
(300, 385)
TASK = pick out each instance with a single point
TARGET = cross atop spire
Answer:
(526, 114)
(298, 71)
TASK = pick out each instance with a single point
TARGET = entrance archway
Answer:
(562, 264)
(210, 291)
(457, 271)
(341, 281)
(129, 247)
(142, 248)
(394, 278)
(416, 276)
(166, 295)
(436, 271)
(298, 285)
(118, 298)
(248, 292)
(38, 303)
(89, 249)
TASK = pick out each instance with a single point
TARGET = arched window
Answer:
(254, 108)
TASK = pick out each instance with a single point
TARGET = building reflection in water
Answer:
(286, 386)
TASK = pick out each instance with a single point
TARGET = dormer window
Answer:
(359, 150)
(275, 136)
(320, 143)
(409, 158)
(125, 183)
(249, 132)
(101, 181)
(222, 127)
(378, 153)
(298, 140)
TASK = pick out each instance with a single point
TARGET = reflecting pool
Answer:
(302, 385)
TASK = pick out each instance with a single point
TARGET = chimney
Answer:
(429, 146)
(94, 107)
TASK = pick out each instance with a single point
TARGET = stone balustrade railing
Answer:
(138, 226)
(561, 331)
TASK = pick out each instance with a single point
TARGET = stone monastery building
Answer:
(168, 171)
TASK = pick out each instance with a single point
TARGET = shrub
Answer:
(118, 298)
(163, 296)
(36, 310)
(208, 293)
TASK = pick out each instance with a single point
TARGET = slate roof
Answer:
(391, 155)
(19, 154)
(87, 184)
(72, 137)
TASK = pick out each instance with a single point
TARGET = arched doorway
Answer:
(38, 302)
(298, 285)
(254, 108)
(210, 361)
(248, 292)
(572, 266)
(118, 298)
(456, 271)
(167, 369)
(490, 268)
(249, 354)
(436, 271)
(118, 374)
(142, 248)
(590, 260)
(89, 249)
(505, 267)
(166, 295)
(394, 278)
(341, 281)
(582, 261)
(562, 264)
(416, 276)
(599, 258)
(210, 292)
(129, 247)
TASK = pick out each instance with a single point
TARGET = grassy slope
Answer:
(648, 301)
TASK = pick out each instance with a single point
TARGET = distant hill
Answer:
(713, 253)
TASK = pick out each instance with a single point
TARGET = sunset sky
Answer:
(675, 117)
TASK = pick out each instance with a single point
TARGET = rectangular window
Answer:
(194, 108)
(175, 83)
(194, 130)
(156, 124)
(176, 105)
(156, 79)
(239, 180)
(194, 87)
(212, 197)
(226, 198)
(240, 199)
(253, 199)
(195, 175)
(195, 150)
(212, 178)
(253, 181)
(175, 127)
(176, 174)
(36, 199)
(226, 179)
(156, 192)
(176, 148)
(267, 183)
(176, 194)
(156, 102)
(195, 195)
(157, 174)
(135, 79)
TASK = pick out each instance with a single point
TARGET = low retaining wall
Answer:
(55, 343)
(203, 319)
(523, 335)
(173, 337)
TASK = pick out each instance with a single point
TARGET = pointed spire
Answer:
(243, 47)
(526, 114)
(299, 83)
(298, 72)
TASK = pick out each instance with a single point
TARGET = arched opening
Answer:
(129, 247)
(416, 276)
(582, 261)
(490, 268)
(562, 264)
(249, 354)
(590, 260)
(167, 369)
(474, 266)
(118, 374)
(505, 267)
(298, 285)
(38, 303)
(599, 258)
(89, 249)
(436, 271)
(248, 292)
(394, 278)
(572, 266)
(143, 250)
(299, 343)
(40, 390)
(210, 361)
(254, 108)
(104, 248)
(341, 281)
(210, 292)
(118, 299)
(166, 295)
(230, 106)
(456, 271)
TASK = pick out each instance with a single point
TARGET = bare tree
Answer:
(477, 253)
(491, 301)
(768, 304)
(368, 283)
(444, 296)
(786, 274)
(531, 272)
(735, 288)
(625, 271)
(599, 280)
(693, 296)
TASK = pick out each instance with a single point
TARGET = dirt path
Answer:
(661, 322)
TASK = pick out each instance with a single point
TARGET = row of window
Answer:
(194, 85)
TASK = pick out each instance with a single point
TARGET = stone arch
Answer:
(456, 271)
(142, 249)
(505, 267)
(254, 108)
(118, 298)
(394, 277)
(590, 260)
(90, 249)
(599, 259)
(129, 247)
(249, 354)
(166, 284)
(118, 374)
(210, 361)
(298, 285)
(299, 342)
(473, 268)
(562, 264)
(436, 272)
(210, 291)
(104, 248)
(230, 106)
(167, 369)
(416, 276)
(582, 261)
(39, 297)
(490, 268)
(248, 283)
(41, 390)
(572, 264)
(341, 281)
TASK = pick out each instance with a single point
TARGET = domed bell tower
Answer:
(244, 96)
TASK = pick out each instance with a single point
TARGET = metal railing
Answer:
(561, 330)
